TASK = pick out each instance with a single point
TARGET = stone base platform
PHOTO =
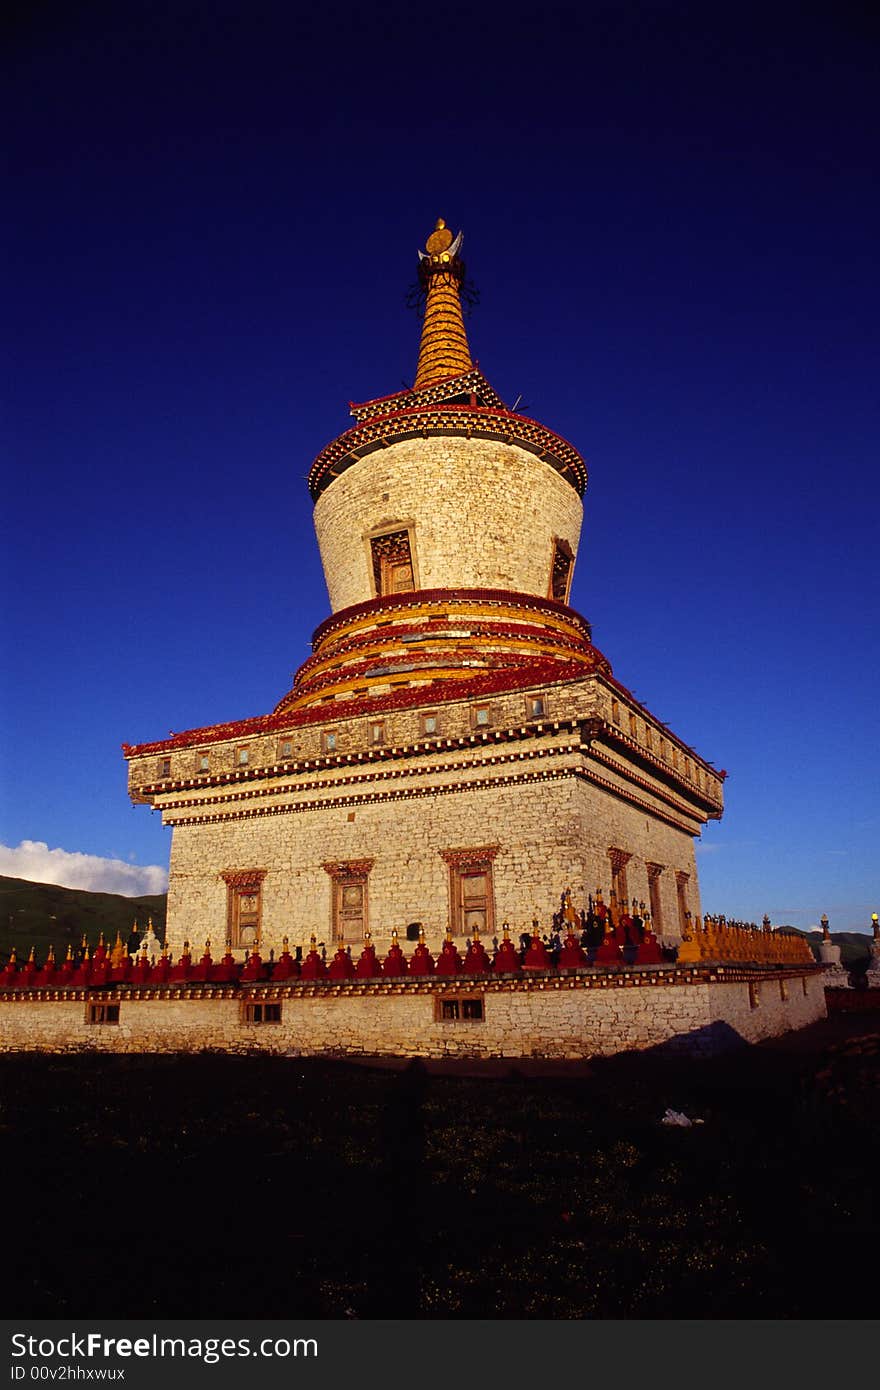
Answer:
(699, 1010)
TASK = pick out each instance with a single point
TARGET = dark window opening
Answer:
(261, 1013)
(392, 563)
(103, 1013)
(560, 573)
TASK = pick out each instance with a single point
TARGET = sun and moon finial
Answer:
(441, 247)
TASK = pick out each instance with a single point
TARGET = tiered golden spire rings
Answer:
(443, 351)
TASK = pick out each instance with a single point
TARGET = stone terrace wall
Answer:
(561, 1017)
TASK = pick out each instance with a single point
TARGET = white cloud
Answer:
(34, 860)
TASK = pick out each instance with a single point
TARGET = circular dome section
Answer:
(448, 511)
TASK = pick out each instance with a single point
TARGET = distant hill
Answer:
(37, 914)
(855, 946)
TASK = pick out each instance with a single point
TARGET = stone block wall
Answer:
(573, 1017)
(545, 835)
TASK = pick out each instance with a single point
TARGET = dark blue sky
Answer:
(671, 214)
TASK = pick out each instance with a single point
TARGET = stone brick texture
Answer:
(483, 515)
(540, 1019)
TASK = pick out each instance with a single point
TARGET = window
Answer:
(348, 898)
(204, 763)
(804, 983)
(654, 872)
(392, 563)
(261, 1013)
(429, 724)
(164, 767)
(633, 727)
(286, 749)
(242, 757)
(471, 890)
(649, 736)
(537, 706)
(244, 891)
(102, 1013)
(664, 752)
(328, 741)
(615, 711)
(377, 731)
(454, 1010)
(681, 888)
(687, 768)
(480, 714)
(619, 859)
(754, 995)
(560, 571)
(783, 990)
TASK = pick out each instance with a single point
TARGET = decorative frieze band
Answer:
(244, 880)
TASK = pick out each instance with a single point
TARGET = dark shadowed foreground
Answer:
(211, 1185)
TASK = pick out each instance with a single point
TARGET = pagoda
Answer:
(455, 749)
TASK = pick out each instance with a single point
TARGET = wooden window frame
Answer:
(379, 724)
(102, 1013)
(468, 1008)
(348, 873)
(256, 1012)
(429, 733)
(561, 550)
(532, 699)
(164, 768)
(682, 880)
(481, 724)
(326, 736)
(463, 863)
(282, 744)
(618, 859)
(380, 566)
(243, 883)
(243, 756)
(655, 897)
(204, 762)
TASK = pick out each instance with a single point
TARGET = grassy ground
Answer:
(213, 1185)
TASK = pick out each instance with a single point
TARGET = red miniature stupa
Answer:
(28, 972)
(341, 966)
(609, 952)
(47, 974)
(181, 971)
(285, 967)
(395, 961)
(81, 973)
(476, 961)
(313, 967)
(449, 960)
(572, 956)
(100, 972)
(65, 973)
(227, 971)
(201, 971)
(253, 967)
(537, 955)
(368, 967)
(162, 969)
(9, 974)
(422, 962)
(650, 951)
(142, 970)
(506, 959)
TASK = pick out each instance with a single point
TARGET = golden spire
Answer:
(444, 349)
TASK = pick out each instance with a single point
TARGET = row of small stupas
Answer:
(606, 938)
